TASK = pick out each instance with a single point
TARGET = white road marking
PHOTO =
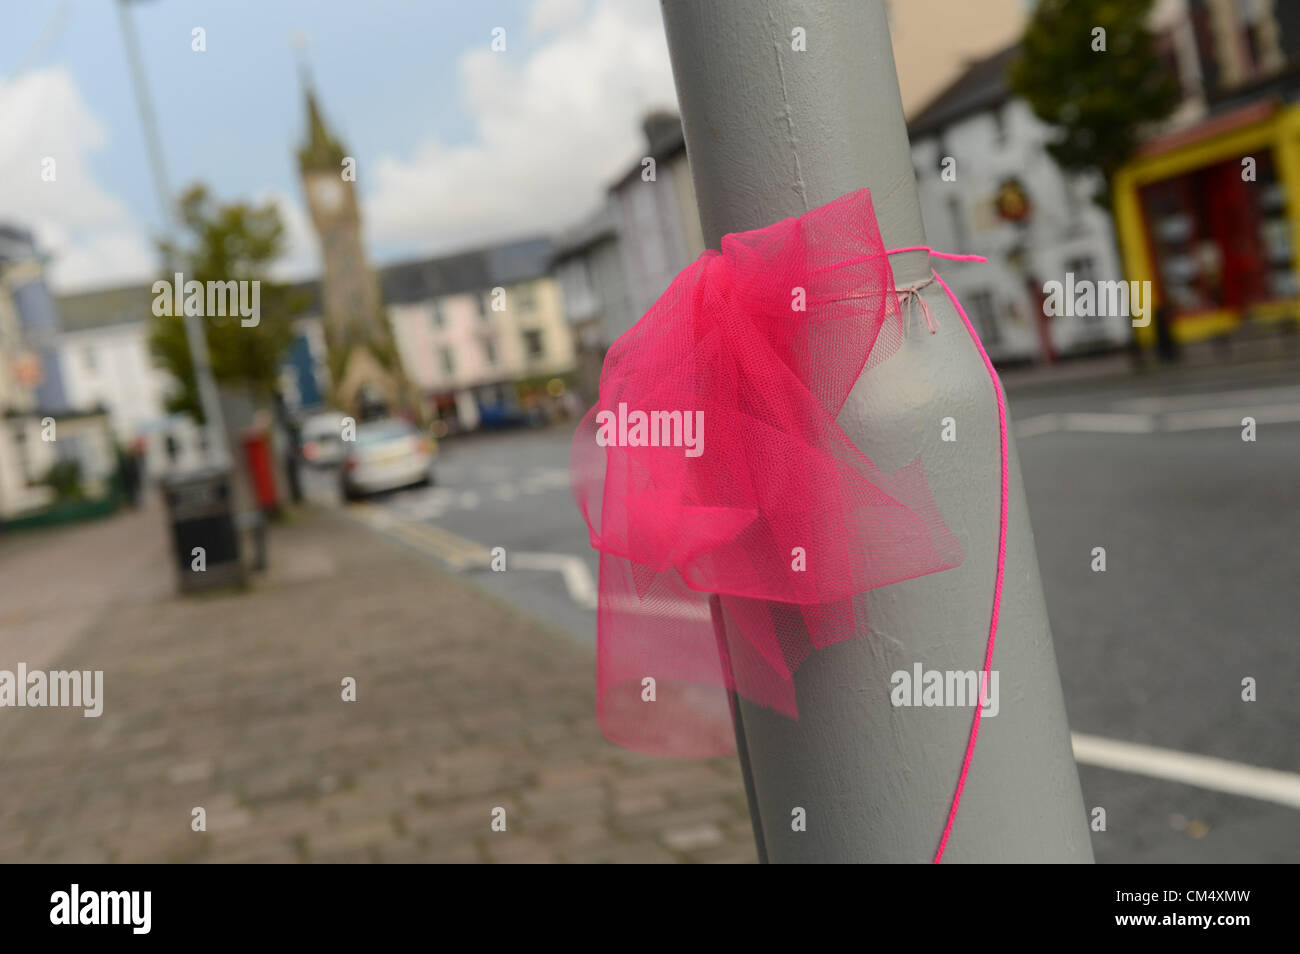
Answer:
(1197, 402)
(577, 578)
(1231, 417)
(1173, 421)
(1218, 775)
(1109, 423)
(674, 609)
(1039, 424)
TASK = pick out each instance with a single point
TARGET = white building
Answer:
(989, 187)
(105, 362)
(614, 264)
(658, 225)
(24, 458)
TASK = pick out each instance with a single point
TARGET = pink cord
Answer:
(1002, 534)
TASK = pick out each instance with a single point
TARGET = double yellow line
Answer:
(424, 537)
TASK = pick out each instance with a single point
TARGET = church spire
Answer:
(321, 150)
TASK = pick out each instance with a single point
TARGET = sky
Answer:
(456, 145)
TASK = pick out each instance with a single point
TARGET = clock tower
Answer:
(364, 367)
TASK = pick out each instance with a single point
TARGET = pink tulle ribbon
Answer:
(723, 496)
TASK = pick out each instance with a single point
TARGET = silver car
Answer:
(322, 439)
(386, 455)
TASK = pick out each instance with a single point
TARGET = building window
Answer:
(533, 343)
(448, 361)
(1166, 45)
(525, 298)
(999, 127)
(958, 222)
(483, 306)
(90, 360)
(490, 351)
(981, 309)
(1251, 23)
(439, 319)
(1081, 268)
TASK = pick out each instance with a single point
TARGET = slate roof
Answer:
(404, 282)
(983, 85)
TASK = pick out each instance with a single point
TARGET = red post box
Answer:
(257, 457)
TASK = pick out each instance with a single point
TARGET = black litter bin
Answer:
(201, 509)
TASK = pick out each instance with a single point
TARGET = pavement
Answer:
(474, 688)
(232, 702)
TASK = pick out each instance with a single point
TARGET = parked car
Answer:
(386, 455)
(322, 439)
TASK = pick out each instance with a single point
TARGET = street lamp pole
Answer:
(194, 334)
(773, 131)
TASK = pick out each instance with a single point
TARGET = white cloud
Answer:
(547, 16)
(553, 129)
(92, 237)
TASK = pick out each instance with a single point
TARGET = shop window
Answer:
(1219, 241)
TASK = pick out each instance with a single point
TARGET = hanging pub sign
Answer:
(1012, 201)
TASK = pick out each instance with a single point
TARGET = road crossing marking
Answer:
(1218, 775)
(1169, 422)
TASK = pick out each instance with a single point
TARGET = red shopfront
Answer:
(1208, 216)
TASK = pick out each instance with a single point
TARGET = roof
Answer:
(420, 280)
(982, 86)
(664, 140)
(581, 236)
(104, 306)
(1212, 127)
(16, 243)
(503, 264)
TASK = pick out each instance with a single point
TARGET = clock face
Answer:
(327, 193)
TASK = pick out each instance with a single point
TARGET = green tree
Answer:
(224, 242)
(1100, 99)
